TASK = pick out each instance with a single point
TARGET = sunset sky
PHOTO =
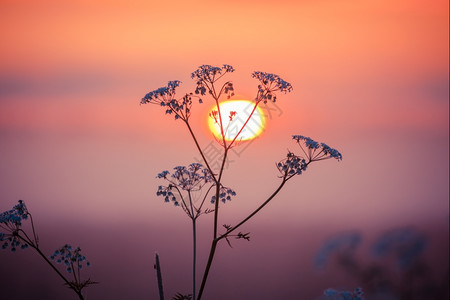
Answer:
(369, 78)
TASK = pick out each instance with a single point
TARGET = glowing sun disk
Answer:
(234, 115)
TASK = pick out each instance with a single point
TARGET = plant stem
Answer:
(208, 267)
(194, 244)
(34, 244)
(254, 212)
(216, 204)
(200, 150)
(34, 232)
(194, 255)
(159, 277)
(216, 240)
(243, 126)
(78, 292)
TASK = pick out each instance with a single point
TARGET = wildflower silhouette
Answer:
(344, 245)
(14, 236)
(332, 294)
(399, 269)
(202, 180)
(183, 189)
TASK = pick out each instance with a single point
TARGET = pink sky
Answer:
(370, 78)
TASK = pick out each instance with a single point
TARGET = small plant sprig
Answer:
(332, 294)
(14, 236)
(185, 188)
(239, 235)
(195, 177)
(180, 296)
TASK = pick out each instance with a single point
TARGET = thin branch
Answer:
(208, 267)
(36, 240)
(203, 201)
(200, 151)
(243, 126)
(284, 180)
(221, 123)
(216, 240)
(223, 87)
(26, 235)
(185, 207)
(194, 255)
(216, 203)
(70, 284)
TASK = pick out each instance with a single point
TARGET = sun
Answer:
(234, 115)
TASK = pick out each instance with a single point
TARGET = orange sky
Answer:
(374, 51)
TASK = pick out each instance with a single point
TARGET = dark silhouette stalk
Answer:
(200, 150)
(77, 291)
(216, 240)
(194, 258)
(208, 267)
(254, 212)
(159, 277)
(194, 245)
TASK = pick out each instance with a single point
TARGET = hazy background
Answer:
(370, 78)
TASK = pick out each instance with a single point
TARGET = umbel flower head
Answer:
(225, 195)
(11, 222)
(165, 97)
(164, 94)
(292, 165)
(15, 216)
(406, 245)
(191, 179)
(312, 151)
(315, 151)
(209, 73)
(12, 240)
(206, 75)
(344, 244)
(269, 84)
(71, 258)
